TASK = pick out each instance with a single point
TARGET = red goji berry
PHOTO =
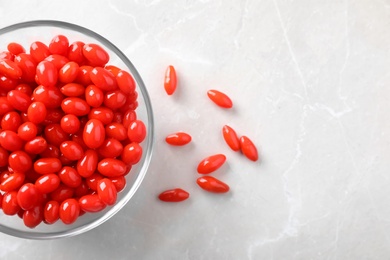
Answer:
(170, 81)
(219, 98)
(212, 184)
(248, 148)
(211, 163)
(178, 139)
(174, 195)
(231, 138)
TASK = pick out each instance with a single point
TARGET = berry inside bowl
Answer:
(76, 133)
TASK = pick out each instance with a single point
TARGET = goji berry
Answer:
(212, 184)
(174, 195)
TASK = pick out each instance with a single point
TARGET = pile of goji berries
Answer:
(69, 131)
(213, 162)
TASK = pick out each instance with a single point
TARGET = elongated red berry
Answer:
(174, 195)
(248, 148)
(170, 81)
(231, 138)
(179, 138)
(211, 163)
(219, 98)
(212, 184)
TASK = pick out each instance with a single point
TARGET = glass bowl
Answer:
(27, 32)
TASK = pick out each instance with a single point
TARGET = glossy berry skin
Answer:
(70, 124)
(114, 99)
(10, 141)
(106, 191)
(75, 52)
(71, 150)
(92, 180)
(128, 117)
(15, 48)
(248, 148)
(13, 182)
(59, 45)
(91, 203)
(55, 135)
(36, 146)
(103, 114)
(36, 112)
(62, 193)
(51, 212)
(75, 106)
(3, 157)
(47, 183)
(94, 96)
(231, 138)
(28, 66)
(178, 139)
(18, 100)
(94, 134)
(6, 55)
(211, 163)
(69, 211)
(70, 177)
(119, 182)
(72, 90)
(219, 98)
(132, 153)
(103, 79)
(7, 83)
(125, 81)
(5, 106)
(47, 165)
(4, 175)
(83, 76)
(10, 203)
(25, 88)
(49, 96)
(20, 161)
(33, 217)
(113, 69)
(68, 72)
(170, 80)
(112, 167)
(136, 131)
(58, 61)
(28, 196)
(95, 55)
(87, 165)
(174, 195)
(117, 131)
(10, 69)
(11, 121)
(110, 148)
(27, 131)
(47, 74)
(212, 184)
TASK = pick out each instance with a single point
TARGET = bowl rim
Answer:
(148, 151)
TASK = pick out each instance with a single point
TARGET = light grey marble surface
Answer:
(310, 85)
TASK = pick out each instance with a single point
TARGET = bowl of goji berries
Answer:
(76, 129)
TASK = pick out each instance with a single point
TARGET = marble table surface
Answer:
(310, 86)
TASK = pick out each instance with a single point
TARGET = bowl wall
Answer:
(28, 32)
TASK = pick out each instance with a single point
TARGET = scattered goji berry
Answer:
(174, 195)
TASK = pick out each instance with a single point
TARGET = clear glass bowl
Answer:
(27, 32)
